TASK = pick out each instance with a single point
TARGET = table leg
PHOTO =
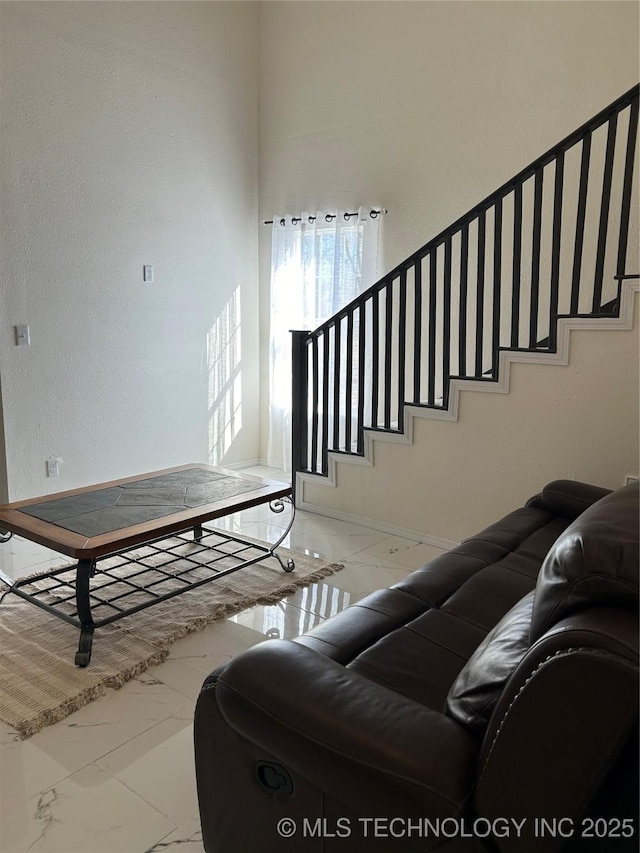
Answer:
(197, 532)
(84, 572)
(278, 506)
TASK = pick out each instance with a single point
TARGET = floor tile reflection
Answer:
(97, 781)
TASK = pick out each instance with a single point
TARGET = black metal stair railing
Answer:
(549, 243)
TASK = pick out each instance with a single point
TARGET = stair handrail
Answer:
(524, 174)
(316, 436)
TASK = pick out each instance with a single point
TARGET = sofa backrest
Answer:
(594, 563)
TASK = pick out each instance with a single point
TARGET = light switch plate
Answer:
(22, 336)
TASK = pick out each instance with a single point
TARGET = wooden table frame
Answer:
(89, 550)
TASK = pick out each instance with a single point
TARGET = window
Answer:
(319, 263)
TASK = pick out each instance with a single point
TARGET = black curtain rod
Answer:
(329, 217)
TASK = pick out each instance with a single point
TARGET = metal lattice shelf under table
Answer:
(110, 583)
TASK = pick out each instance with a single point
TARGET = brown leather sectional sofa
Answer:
(488, 702)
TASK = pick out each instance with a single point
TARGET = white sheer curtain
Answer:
(319, 262)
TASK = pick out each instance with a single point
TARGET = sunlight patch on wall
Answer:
(225, 379)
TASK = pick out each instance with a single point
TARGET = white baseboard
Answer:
(392, 530)
(247, 463)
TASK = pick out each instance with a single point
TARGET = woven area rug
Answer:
(39, 682)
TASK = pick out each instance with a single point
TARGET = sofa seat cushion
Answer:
(522, 538)
(416, 636)
(422, 659)
(349, 632)
(594, 563)
(485, 599)
(480, 683)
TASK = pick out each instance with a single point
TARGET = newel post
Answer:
(299, 392)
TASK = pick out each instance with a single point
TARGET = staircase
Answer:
(553, 248)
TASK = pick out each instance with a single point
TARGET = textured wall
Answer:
(424, 107)
(129, 137)
(4, 493)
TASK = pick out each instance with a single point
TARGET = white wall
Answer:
(423, 107)
(4, 492)
(129, 137)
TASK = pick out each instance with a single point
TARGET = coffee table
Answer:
(152, 523)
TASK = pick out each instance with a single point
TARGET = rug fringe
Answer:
(158, 648)
(118, 679)
(31, 726)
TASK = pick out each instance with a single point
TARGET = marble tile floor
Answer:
(117, 776)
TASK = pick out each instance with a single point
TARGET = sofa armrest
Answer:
(373, 750)
(568, 498)
(567, 711)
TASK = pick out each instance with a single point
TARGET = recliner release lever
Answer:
(274, 778)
